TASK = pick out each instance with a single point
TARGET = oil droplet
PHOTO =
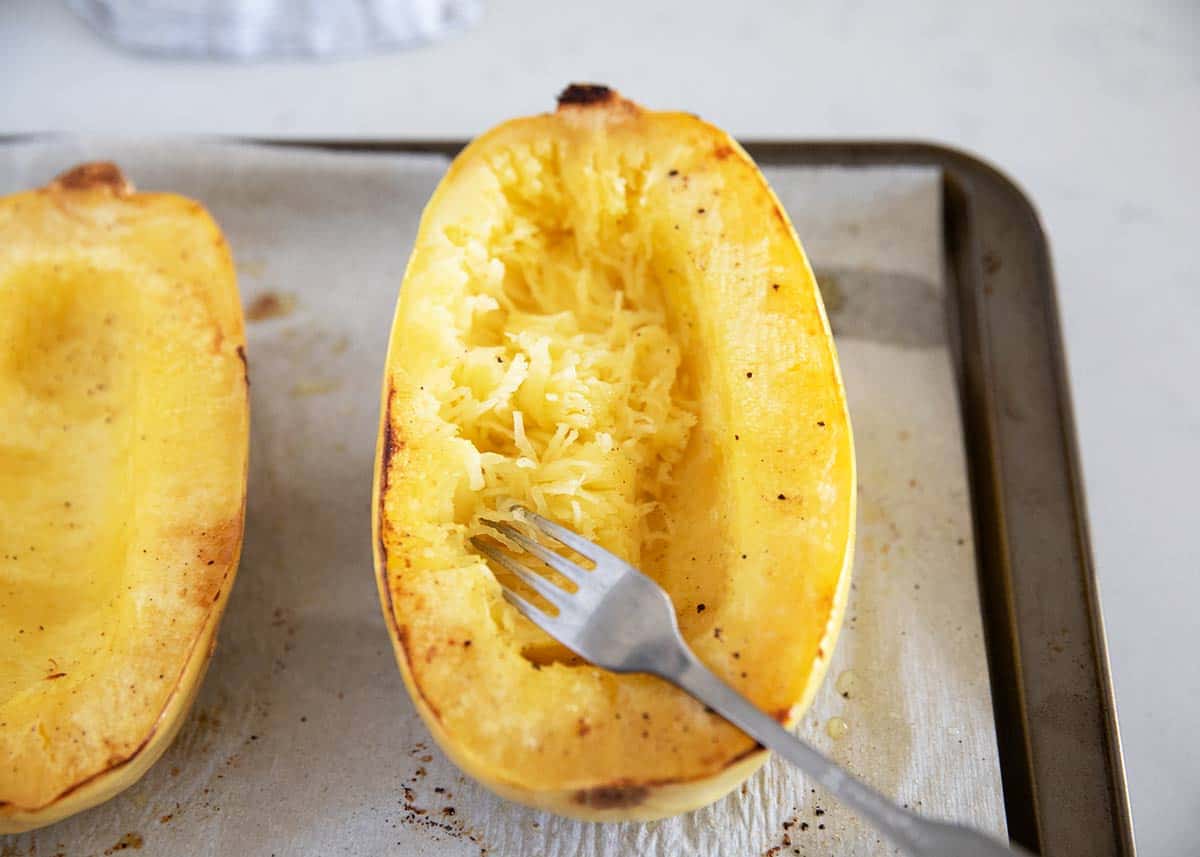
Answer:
(836, 728)
(313, 387)
(846, 683)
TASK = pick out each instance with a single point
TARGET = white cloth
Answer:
(263, 29)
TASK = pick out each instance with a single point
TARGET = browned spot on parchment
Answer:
(270, 305)
(129, 840)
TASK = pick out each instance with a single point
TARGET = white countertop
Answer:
(1093, 108)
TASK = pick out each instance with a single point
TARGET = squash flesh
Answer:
(122, 479)
(607, 317)
(59, 338)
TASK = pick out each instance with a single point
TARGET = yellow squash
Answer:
(608, 317)
(123, 444)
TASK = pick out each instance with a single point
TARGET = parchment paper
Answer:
(303, 740)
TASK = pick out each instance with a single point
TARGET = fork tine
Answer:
(560, 598)
(561, 564)
(570, 538)
(526, 609)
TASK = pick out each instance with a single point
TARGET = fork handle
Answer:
(915, 834)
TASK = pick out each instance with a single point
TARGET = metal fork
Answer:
(623, 621)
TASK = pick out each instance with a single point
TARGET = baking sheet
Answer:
(303, 740)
